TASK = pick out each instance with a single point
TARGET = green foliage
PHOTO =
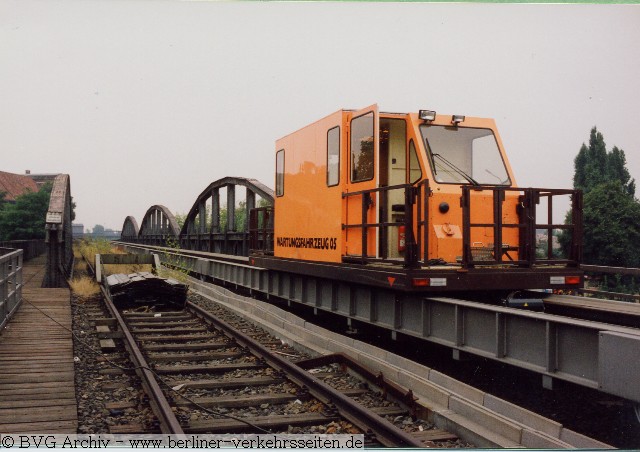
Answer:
(25, 219)
(595, 166)
(240, 217)
(611, 213)
(173, 265)
(98, 229)
(2, 200)
(180, 219)
(73, 210)
(611, 220)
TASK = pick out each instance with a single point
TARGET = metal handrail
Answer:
(412, 194)
(10, 283)
(528, 225)
(261, 230)
(31, 248)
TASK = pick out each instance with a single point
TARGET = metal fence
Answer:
(30, 248)
(10, 283)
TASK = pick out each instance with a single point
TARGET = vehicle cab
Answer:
(419, 189)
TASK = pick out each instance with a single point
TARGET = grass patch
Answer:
(89, 248)
(84, 287)
(110, 269)
(172, 273)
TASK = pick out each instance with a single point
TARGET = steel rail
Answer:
(385, 432)
(159, 404)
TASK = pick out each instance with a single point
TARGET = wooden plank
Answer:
(172, 357)
(37, 404)
(124, 429)
(50, 386)
(120, 405)
(37, 392)
(56, 376)
(434, 435)
(226, 382)
(163, 324)
(268, 422)
(105, 321)
(131, 315)
(179, 338)
(41, 427)
(182, 347)
(108, 345)
(41, 414)
(206, 368)
(41, 359)
(161, 318)
(22, 368)
(175, 330)
(239, 401)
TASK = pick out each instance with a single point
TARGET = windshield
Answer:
(462, 155)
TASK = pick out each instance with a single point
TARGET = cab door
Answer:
(362, 165)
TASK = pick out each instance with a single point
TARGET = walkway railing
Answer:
(30, 248)
(10, 283)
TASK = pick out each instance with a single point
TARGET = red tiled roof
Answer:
(15, 185)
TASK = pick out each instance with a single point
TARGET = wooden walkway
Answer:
(37, 392)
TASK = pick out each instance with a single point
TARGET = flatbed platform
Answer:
(37, 389)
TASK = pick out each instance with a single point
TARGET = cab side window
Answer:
(362, 148)
(333, 156)
(280, 173)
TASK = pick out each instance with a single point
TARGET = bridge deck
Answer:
(37, 393)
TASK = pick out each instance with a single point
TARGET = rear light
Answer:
(429, 282)
(564, 280)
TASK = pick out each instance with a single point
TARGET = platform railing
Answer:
(261, 230)
(528, 222)
(412, 195)
(10, 283)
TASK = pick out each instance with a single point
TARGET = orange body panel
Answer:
(310, 214)
(309, 222)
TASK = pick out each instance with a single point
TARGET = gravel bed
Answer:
(94, 390)
(340, 380)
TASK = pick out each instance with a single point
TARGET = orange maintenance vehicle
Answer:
(416, 202)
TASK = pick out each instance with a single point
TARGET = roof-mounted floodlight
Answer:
(457, 119)
(427, 115)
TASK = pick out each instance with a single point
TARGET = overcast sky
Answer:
(147, 102)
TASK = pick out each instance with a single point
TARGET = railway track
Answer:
(202, 375)
(411, 420)
(595, 309)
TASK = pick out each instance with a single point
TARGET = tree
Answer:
(611, 220)
(611, 213)
(595, 166)
(25, 219)
(180, 219)
(2, 200)
(98, 229)
(73, 210)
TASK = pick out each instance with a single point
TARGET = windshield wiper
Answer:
(456, 169)
(502, 182)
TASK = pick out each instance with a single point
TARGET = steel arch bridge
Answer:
(158, 227)
(207, 226)
(130, 230)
